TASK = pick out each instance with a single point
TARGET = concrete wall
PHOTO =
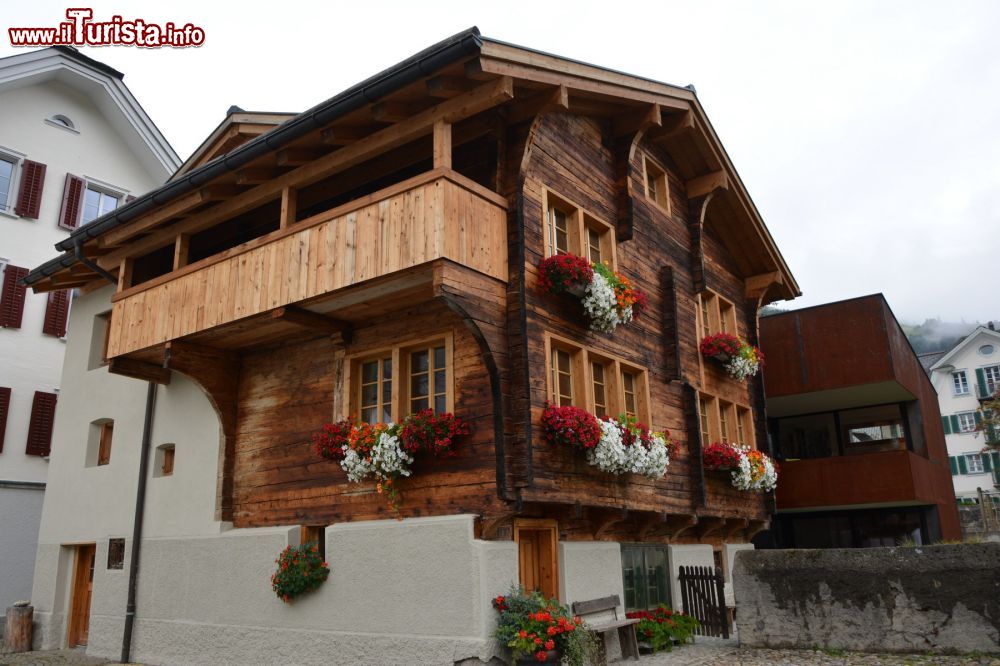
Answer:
(932, 599)
(417, 591)
(20, 511)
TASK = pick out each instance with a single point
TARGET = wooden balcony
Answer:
(350, 262)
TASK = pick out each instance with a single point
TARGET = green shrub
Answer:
(301, 569)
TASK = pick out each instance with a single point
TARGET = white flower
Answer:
(740, 367)
(601, 305)
(745, 478)
(389, 458)
(609, 455)
(356, 466)
(657, 458)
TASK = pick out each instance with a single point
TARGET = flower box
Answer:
(748, 468)
(609, 299)
(739, 358)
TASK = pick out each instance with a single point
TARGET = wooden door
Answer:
(537, 555)
(83, 587)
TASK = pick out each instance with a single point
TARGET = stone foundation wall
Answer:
(941, 599)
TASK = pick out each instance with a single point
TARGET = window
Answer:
(571, 230)
(426, 371)
(163, 464)
(966, 422)
(8, 166)
(99, 338)
(657, 189)
(727, 425)
(4, 409)
(104, 449)
(718, 315)
(987, 350)
(603, 385)
(599, 381)
(97, 202)
(62, 122)
(991, 379)
(561, 382)
(872, 429)
(744, 426)
(645, 578)
(116, 553)
(375, 395)
(974, 463)
(314, 534)
(961, 382)
(706, 432)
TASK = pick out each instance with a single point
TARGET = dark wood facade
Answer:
(387, 224)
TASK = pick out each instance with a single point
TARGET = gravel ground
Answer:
(47, 657)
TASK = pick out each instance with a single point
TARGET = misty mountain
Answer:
(935, 335)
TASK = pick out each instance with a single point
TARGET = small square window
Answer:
(163, 464)
(116, 553)
(315, 534)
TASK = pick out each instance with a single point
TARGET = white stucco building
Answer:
(74, 143)
(965, 376)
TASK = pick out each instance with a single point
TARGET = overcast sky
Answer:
(866, 132)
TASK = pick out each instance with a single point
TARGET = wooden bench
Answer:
(625, 626)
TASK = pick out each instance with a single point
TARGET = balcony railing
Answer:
(437, 215)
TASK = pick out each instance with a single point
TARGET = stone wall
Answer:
(942, 599)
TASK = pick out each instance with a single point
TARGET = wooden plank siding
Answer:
(439, 214)
(569, 155)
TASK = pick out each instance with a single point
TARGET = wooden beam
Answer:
(309, 319)
(344, 135)
(148, 372)
(734, 526)
(254, 176)
(181, 246)
(676, 123)
(162, 214)
(442, 145)
(475, 101)
(125, 274)
(293, 157)
(289, 207)
(447, 86)
(708, 525)
(756, 285)
(640, 119)
(393, 112)
(556, 99)
(606, 519)
(702, 185)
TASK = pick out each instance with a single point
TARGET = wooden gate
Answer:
(703, 597)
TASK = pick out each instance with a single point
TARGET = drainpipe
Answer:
(140, 503)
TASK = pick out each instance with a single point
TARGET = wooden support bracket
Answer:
(681, 524)
(734, 526)
(710, 182)
(755, 528)
(676, 124)
(314, 320)
(634, 121)
(756, 285)
(708, 525)
(606, 519)
(556, 99)
(149, 372)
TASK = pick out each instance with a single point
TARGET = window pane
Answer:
(418, 404)
(108, 203)
(369, 414)
(439, 357)
(439, 381)
(387, 368)
(91, 206)
(440, 404)
(872, 429)
(6, 175)
(387, 391)
(418, 385)
(369, 372)
(418, 361)
(565, 386)
(600, 395)
(628, 383)
(594, 245)
(386, 413)
(369, 395)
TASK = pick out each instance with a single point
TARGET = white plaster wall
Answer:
(590, 570)
(32, 361)
(416, 591)
(968, 359)
(20, 512)
(698, 555)
(729, 551)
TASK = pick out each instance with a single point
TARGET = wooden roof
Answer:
(472, 74)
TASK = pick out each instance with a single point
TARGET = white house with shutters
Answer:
(965, 377)
(74, 143)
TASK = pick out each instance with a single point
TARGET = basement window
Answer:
(116, 553)
(99, 442)
(163, 463)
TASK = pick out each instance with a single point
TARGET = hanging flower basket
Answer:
(609, 298)
(739, 358)
(748, 468)
(386, 450)
(300, 569)
(615, 446)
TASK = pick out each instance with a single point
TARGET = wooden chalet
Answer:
(408, 215)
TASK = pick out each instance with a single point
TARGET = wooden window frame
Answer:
(653, 172)
(380, 404)
(578, 223)
(314, 533)
(406, 378)
(721, 312)
(16, 161)
(103, 190)
(543, 525)
(106, 439)
(169, 457)
(400, 372)
(582, 359)
(739, 417)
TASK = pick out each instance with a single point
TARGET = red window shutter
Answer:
(29, 197)
(56, 313)
(12, 297)
(72, 201)
(43, 414)
(4, 408)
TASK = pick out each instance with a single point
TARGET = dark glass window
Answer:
(645, 577)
